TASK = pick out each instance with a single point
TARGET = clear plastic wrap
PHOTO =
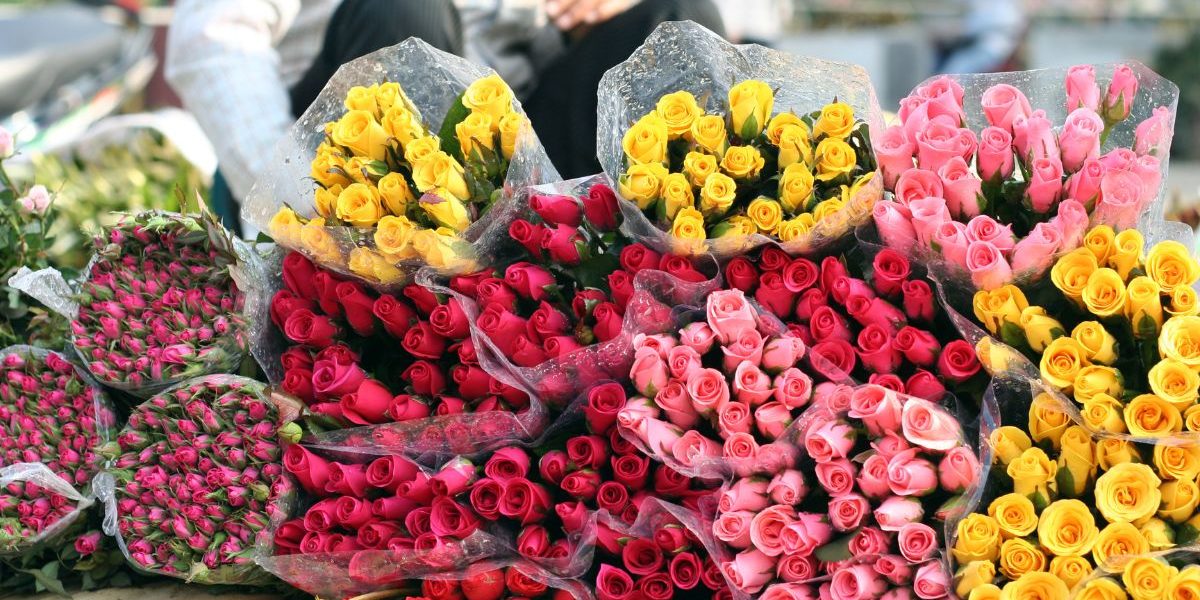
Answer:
(51, 485)
(432, 80)
(686, 56)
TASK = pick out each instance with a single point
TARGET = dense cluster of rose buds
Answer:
(200, 475)
(159, 304)
(26, 510)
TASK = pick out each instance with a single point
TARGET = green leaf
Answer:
(447, 134)
(1186, 534)
(951, 508)
(1066, 482)
(47, 578)
(1013, 335)
(1147, 327)
(749, 128)
(837, 550)
(1040, 502)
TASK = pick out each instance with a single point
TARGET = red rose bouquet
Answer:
(494, 581)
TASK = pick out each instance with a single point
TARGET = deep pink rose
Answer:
(995, 154)
(957, 362)
(1122, 90)
(920, 347)
(876, 350)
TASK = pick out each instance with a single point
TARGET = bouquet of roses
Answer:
(1060, 503)
(887, 469)
(197, 480)
(491, 581)
(362, 357)
(1006, 218)
(1115, 332)
(406, 173)
(721, 148)
(889, 330)
(1171, 575)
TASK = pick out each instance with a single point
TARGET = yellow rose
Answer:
(1071, 272)
(826, 209)
(319, 243)
(1127, 252)
(1102, 412)
(698, 166)
(373, 266)
(1076, 462)
(489, 95)
(393, 234)
(717, 195)
(328, 168)
(404, 126)
(1179, 500)
(475, 135)
(1180, 339)
(734, 226)
(1151, 416)
(361, 98)
(285, 227)
(999, 306)
(1146, 577)
(359, 205)
(389, 94)
(1018, 557)
(678, 111)
(1185, 585)
(795, 188)
(325, 200)
(1009, 442)
(1191, 418)
(1097, 379)
(742, 162)
(440, 170)
(437, 247)
(708, 132)
(676, 194)
(1047, 420)
(511, 126)
(1104, 294)
(1098, 344)
(361, 169)
(1100, 240)
(835, 158)
(688, 225)
(396, 194)
(446, 210)
(1174, 382)
(1183, 302)
(1128, 493)
(1158, 534)
(1061, 362)
(795, 146)
(1118, 540)
(972, 575)
(795, 228)
(1067, 528)
(987, 591)
(1070, 569)
(1143, 307)
(1112, 451)
(1178, 461)
(1171, 265)
(836, 121)
(781, 121)
(1032, 473)
(1102, 588)
(750, 104)
(1015, 513)
(362, 134)
(646, 141)
(978, 539)
(642, 184)
(765, 213)
(420, 149)
(1035, 585)
(1040, 328)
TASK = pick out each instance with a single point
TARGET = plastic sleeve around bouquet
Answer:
(433, 81)
(686, 56)
(259, 280)
(51, 484)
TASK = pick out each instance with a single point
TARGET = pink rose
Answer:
(751, 385)
(961, 188)
(746, 348)
(897, 511)
(995, 154)
(1072, 221)
(872, 479)
(771, 419)
(944, 98)
(834, 397)
(894, 568)
(1119, 159)
(890, 444)
(856, 582)
(1121, 92)
(1082, 89)
(837, 476)
(928, 425)
(793, 388)
(677, 405)
(733, 528)
(937, 144)
(682, 361)
(807, 533)
(776, 457)
(951, 237)
(1036, 252)
(920, 347)
(1153, 136)
(959, 470)
(1084, 184)
(985, 229)
(1003, 104)
(1080, 138)
(1034, 138)
(734, 417)
(745, 494)
(869, 541)
(967, 143)
(659, 437)
(918, 542)
(927, 215)
(915, 115)
(1149, 169)
(742, 451)
(931, 581)
(894, 153)
(829, 440)
(787, 487)
(846, 512)
(782, 353)
(917, 184)
(1045, 185)
(708, 390)
(649, 372)
(636, 409)
(910, 475)
(878, 408)
(1120, 199)
(988, 268)
(894, 222)
(697, 336)
(695, 450)
(793, 568)
(730, 315)
(766, 528)
(749, 571)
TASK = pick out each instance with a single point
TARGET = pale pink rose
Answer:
(894, 222)
(36, 201)
(745, 494)
(677, 404)
(807, 533)
(793, 388)
(697, 336)
(959, 470)
(931, 581)
(1036, 252)
(897, 511)
(788, 487)
(899, 593)
(961, 188)
(877, 407)
(1153, 136)
(918, 542)
(872, 479)
(1072, 221)
(894, 568)
(1119, 159)
(794, 568)
(837, 476)
(635, 410)
(749, 571)
(729, 314)
(914, 116)
(890, 444)
(1149, 169)
(911, 475)
(695, 450)
(1121, 92)
(767, 528)
(751, 385)
(734, 417)
(659, 437)
(835, 397)
(945, 97)
(1045, 185)
(1084, 184)
(917, 184)
(985, 229)
(741, 450)
(1034, 138)
(856, 582)
(746, 348)
(870, 541)
(952, 239)
(1080, 138)
(733, 528)
(682, 361)
(1003, 104)
(708, 390)
(1082, 89)
(966, 142)
(989, 270)
(771, 419)
(660, 343)
(927, 215)
(782, 353)
(649, 372)
(928, 425)
(829, 440)
(776, 457)
(894, 153)
(1120, 199)
(937, 144)
(995, 154)
(846, 512)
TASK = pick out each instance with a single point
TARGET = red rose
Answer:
(560, 345)
(585, 302)
(468, 284)
(844, 288)
(451, 519)
(800, 275)
(296, 358)
(801, 332)
(620, 285)
(326, 285)
(608, 538)
(919, 346)
(450, 321)
(284, 303)
(573, 515)
(524, 501)
(493, 291)
(773, 258)
(600, 207)
(376, 535)
(612, 497)
(631, 470)
(351, 513)
(533, 541)
(547, 322)
(553, 466)
(388, 472)
(832, 270)
(685, 570)
(876, 311)
(637, 257)
(809, 301)
(357, 307)
(656, 586)
(642, 556)
(288, 536)
(681, 268)
(957, 362)
(347, 480)
(562, 244)
(332, 380)
(525, 352)
(501, 326)
(417, 521)
(506, 464)
(515, 397)
(425, 378)
(465, 350)
(613, 583)
(608, 321)
(440, 589)
(483, 583)
(670, 483)
(423, 342)
(449, 405)
(876, 350)
(521, 584)
(369, 404)
(528, 235)
(407, 408)
(298, 382)
(918, 300)
(833, 359)
(773, 295)
(471, 381)
(827, 324)
(305, 327)
(891, 269)
(581, 485)
(396, 316)
(587, 451)
(489, 404)
(741, 274)
(338, 353)
(890, 381)
(557, 209)
(424, 299)
(485, 498)
(603, 403)
(332, 410)
(528, 280)
(924, 384)
(310, 470)
(298, 274)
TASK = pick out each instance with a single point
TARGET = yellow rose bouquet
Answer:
(727, 160)
(1115, 329)
(1160, 576)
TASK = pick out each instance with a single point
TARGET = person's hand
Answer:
(568, 14)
